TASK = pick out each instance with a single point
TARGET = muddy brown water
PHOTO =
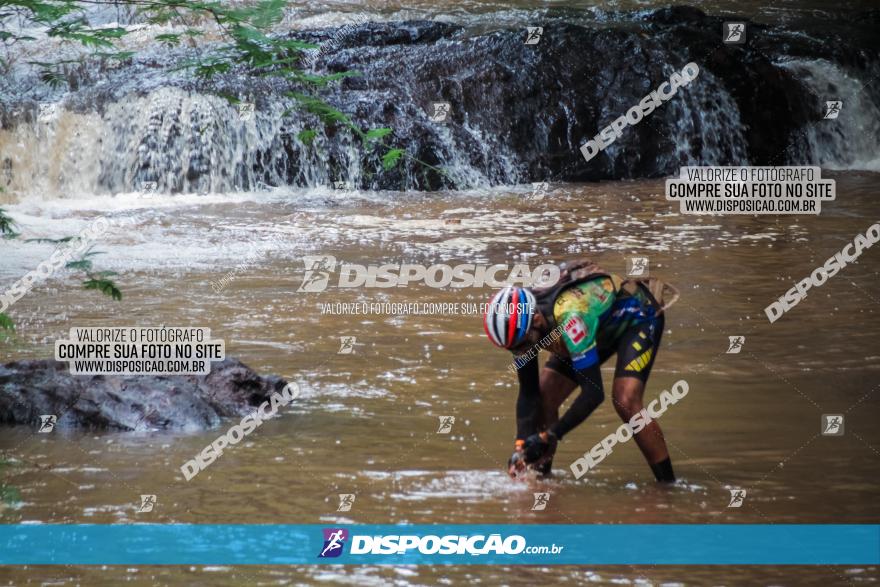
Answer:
(366, 422)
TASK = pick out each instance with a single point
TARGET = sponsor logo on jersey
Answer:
(575, 329)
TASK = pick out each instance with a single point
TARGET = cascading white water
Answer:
(708, 129)
(176, 141)
(850, 141)
(181, 141)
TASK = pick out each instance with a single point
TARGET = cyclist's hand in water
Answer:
(517, 463)
(540, 448)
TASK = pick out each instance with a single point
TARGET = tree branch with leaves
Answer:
(247, 44)
(92, 279)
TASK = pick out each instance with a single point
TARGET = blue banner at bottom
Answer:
(526, 544)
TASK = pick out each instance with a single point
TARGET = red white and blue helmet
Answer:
(509, 316)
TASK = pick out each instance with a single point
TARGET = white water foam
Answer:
(852, 140)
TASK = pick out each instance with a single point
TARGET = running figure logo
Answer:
(439, 111)
(148, 189)
(446, 423)
(539, 189)
(533, 34)
(734, 33)
(147, 503)
(637, 267)
(832, 109)
(346, 345)
(736, 344)
(334, 540)
(541, 501)
(737, 497)
(47, 112)
(832, 424)
(317, 275)
(346, 501)
(137, 425)
(245, 111)
(47, 423)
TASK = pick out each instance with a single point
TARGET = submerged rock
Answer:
(29, 389)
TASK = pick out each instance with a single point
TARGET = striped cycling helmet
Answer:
(509, 316)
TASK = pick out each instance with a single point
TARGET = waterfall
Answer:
(850, 141)
(519, 112)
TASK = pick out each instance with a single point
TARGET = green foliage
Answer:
(77, 30)
(232, 99)
(390, 159)
(377, 133)
(53, 241)
(7, 225)
(62, 19)
(327, 113)
(83, 263)
(6, 322)
(80, 264)
(307, 136)
(115, 55)
(317, 80)
(94, 280)
(8, 495)
(51, 73)
(169, 39)
(105, 286)
(247, 44)
(263, 14)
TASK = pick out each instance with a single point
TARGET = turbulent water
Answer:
(366, 423)
(237, 203)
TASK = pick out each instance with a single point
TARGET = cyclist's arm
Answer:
(590, 381)
(528, 403)
(579, 334)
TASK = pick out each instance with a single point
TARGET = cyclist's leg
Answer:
(635, 357)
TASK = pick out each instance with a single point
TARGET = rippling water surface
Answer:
(366, 422)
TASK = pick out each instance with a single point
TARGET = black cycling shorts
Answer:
(636, 350)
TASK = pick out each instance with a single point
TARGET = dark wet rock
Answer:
(520, 112)
(383, 34)
(29, 389)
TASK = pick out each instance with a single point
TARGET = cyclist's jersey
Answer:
(594, 315)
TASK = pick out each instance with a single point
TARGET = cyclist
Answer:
(595, 315)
